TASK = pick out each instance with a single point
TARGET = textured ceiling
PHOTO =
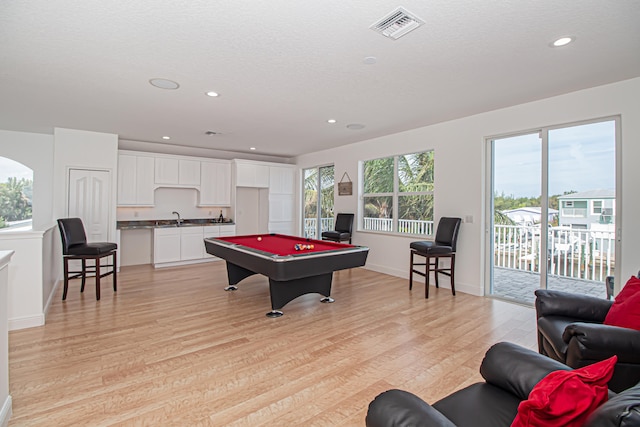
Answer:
(284, 67)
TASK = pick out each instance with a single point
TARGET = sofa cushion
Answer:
(566, 398)
(479, 405)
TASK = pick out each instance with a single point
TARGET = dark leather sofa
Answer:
(510, 372)
(570, 330)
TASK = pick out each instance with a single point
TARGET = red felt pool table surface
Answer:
(283, 245)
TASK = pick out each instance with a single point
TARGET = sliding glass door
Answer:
(318, 201)
(552, 210)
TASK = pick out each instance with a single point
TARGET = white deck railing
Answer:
(405, 226)
(579, 254)
(311, 223)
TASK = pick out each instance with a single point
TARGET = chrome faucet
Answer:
(179, 219)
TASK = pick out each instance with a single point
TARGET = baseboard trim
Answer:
(26, 322)
(6, 412)
(460, 286)
(179, 263)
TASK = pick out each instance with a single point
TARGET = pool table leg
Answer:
(235, 274)
(284, 292)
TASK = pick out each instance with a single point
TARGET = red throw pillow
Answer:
(626, 313)
(566, 398)
(630, 288)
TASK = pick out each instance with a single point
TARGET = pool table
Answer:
(292, 272)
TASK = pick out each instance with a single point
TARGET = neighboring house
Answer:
(528, 216)
(589, 210)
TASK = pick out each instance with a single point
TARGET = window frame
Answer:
(593, 206)
(395, 195)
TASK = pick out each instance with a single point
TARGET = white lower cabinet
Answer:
(166, 245)
(191, 243)
(175, 245)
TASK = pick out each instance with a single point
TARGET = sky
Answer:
(581, 158)
(9, 168)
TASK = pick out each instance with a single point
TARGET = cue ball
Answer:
(259, 239)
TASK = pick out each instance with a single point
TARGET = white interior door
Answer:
(90, 200)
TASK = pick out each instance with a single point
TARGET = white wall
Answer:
(5, 397)
(37, 262)
(25, 294)
(460, 174)
(168, 200)
(35, 151)
(88, 150)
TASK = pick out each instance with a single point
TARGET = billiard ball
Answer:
(259, 239)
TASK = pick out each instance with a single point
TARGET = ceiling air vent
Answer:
(397, 23)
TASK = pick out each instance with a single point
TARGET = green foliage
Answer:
(325, 191)
(415, 175)
(2, 223)
(15, 205)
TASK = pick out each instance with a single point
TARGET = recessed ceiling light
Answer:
(164, 84)
(252, 148)
(370, 60)
(331, 121)
(212, 93)
(355, 126)
(563, 41)
(166, 137)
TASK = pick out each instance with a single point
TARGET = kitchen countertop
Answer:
(166, 223)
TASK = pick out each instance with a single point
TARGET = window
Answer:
(16, 195)
(398, 194)
(596, 207)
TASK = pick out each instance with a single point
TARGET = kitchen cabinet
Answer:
(249, 174)
(215, 183)
(189, 172)
(191, 243)
(166, 245)
(175, 245)
(281, 199)
(175, 171)
(281, 180)
(135, 180)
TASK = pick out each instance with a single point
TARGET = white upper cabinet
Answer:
(281, 180)
(135, 180)
(189, 172)
(252, 175)
(166, 170)
(215, 183)
(174, 171)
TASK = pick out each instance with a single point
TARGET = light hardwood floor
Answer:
(172, 348)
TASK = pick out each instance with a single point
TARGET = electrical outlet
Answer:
(209, 213)
(135, 214)
(468, 219)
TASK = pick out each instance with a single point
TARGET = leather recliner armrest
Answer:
(517, 369)
(597, 342)
(397, 408)
(575, 306)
